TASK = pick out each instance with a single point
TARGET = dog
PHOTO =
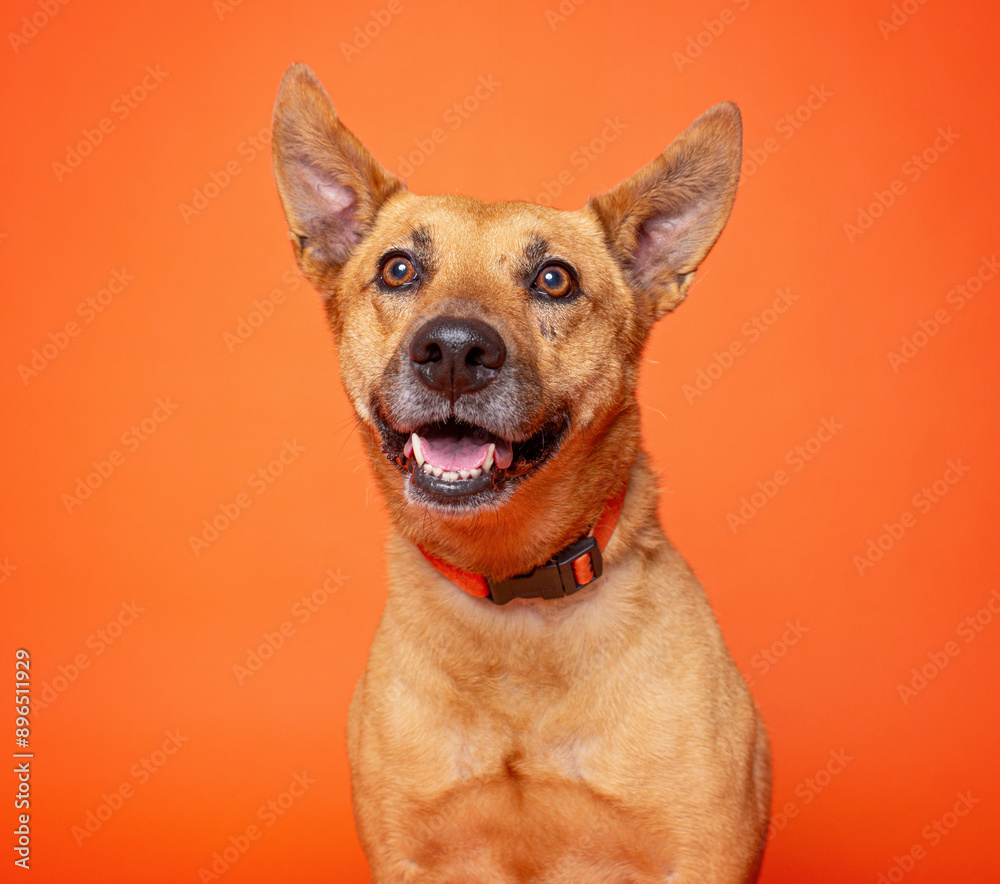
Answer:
(548, 697)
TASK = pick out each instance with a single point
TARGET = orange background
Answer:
(828, 688)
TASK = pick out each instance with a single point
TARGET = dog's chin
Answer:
(460, 468)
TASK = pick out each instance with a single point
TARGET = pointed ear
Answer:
(330, 187)
(663, 221)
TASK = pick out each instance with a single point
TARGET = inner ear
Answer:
(327, 214)
(665, 244)
(665, 219)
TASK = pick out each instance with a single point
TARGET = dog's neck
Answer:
(570, 569)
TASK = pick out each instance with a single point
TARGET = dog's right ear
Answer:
(663, 221)
(330, 187)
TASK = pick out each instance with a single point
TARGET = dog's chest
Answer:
(503, 752)
(522, 806)
(528, 816)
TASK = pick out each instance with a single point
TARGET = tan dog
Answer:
(592, 730)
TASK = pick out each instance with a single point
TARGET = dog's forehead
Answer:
(453, 228)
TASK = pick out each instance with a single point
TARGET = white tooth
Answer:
(428, 468)
(488, 463)
(449, 475)
(437, 471)
(465, 473)
(418, 452)
(476, 473)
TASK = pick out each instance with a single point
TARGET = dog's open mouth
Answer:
(453, 459)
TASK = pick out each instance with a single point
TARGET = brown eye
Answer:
(397, 271)
(554, 281)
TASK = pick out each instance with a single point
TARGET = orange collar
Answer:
(567, 571)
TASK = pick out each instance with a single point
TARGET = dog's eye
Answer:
(397, 271)
(554, 281)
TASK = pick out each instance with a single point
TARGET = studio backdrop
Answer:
(191, 544)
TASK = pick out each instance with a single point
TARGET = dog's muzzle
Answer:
(461, 414)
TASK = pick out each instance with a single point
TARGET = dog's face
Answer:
(478, 339)
(491, 349)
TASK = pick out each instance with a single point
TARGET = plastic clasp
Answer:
(555, 579)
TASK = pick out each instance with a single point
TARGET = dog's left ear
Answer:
(663, 221)
(330, 187)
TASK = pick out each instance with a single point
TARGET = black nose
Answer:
(456, 356)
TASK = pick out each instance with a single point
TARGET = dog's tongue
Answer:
(460, 452)
(454, 452)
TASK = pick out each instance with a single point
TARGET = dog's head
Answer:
(491, 350)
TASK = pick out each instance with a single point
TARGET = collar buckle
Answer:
(555, 579)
